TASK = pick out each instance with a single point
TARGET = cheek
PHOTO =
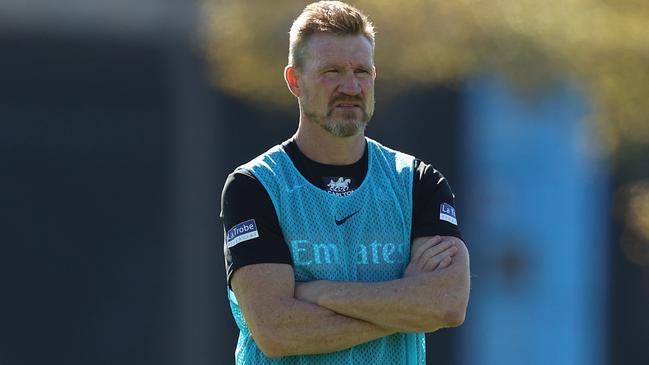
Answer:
(368, 86)
(326, 83)
(328, 86)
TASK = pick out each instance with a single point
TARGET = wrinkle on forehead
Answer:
(346, 50)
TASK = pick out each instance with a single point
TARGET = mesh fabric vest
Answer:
(364, 236)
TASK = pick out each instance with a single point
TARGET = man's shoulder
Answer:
(424, 169)
(244, 177)
(267, 159)
(388, 149)
(420, 166)
(261, 159)
(402, 161)
(243, 174)
(240, 182)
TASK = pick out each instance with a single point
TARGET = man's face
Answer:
(337, 83)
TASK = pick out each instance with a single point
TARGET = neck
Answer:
(321, 146)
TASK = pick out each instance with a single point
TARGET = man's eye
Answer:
(331, 72)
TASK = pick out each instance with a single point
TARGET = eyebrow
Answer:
(334, 66)
(327, 65)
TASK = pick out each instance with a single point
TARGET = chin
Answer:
(346, 128)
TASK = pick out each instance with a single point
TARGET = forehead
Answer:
(325, 49)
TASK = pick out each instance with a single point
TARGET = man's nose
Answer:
(349, 84)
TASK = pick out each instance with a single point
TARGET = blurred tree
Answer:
(603, 45)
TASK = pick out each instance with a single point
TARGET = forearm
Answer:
(422, 303)
(300, 328)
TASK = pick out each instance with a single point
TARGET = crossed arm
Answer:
(282, 315)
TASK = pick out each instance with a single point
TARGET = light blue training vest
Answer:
(364, 236)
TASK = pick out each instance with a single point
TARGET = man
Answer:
(339, 250)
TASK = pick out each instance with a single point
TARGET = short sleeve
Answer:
(252, 234)
(433, 204)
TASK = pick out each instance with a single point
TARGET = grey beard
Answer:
(346, 127)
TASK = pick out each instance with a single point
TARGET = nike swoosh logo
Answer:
(339, 222)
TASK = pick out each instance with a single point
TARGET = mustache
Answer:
(347, 99)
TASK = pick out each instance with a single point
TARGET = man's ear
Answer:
(291, 76)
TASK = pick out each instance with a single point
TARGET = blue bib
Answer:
(363, 236)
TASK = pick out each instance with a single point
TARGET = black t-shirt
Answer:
(244, 198)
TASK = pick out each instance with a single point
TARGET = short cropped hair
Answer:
(332, 17)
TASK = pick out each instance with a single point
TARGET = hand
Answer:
(433, 254)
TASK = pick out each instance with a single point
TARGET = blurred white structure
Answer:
(537, 228)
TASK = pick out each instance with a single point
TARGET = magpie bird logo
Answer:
(341, 221)
(339, 186)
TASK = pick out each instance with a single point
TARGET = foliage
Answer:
(603, 45)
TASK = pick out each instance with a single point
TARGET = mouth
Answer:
(347, 105)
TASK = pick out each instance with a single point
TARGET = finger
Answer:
(416, 255)
(437, 249)
(432, 252)
(425, 245)
(434, 261)
(445, 263)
